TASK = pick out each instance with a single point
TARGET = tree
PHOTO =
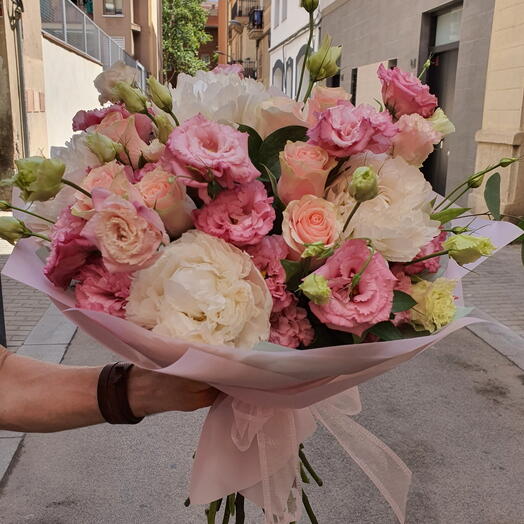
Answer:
(184, 32)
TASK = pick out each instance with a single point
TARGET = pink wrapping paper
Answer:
(272, 399)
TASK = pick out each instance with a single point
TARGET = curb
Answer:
(48, 341)
(500, 337)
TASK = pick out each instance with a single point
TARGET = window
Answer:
(354, 75)
(448, 27)
(113, 7)
(276, 11)
(278, 75)
(301, 56)
(284, 10)
(289, 78)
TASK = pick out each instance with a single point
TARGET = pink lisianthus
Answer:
(323, 98)
(69, 249)
(242, 216)
(354, 310)
(229, 69)
(416, 139)
(85, 119)
(267, 255)
(345, 130)
(431, 265)
(127, 233)
(200, 151)
(404, 94)
(291, 328)
(305, 168)
(403, 284)
(100, 290)
(167, 196)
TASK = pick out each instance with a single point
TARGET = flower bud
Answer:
(38, 178)
(12, 229)
(441, 123)
(317, 250)
(475, 181)
(309, 5)
(316, 288)
(164, 127)
(160, 95)
(465, 249)
(505, 162)
(363, 185)
(103, 147)
(458, 230)
(133, 98)
(323, 63)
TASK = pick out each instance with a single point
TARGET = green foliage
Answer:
(449, 214)
(492, 195)
(253, 144)
(386, 331)
(183, 33)
(402, 301)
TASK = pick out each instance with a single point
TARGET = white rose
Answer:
(398, 219)
(106, 81)
(205, 290)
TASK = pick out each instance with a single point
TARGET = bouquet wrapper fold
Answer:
(271, 401)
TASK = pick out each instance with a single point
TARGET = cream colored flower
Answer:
(106, 82)
(205, 290)
(435, 307)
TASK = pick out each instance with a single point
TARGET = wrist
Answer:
(140, 390)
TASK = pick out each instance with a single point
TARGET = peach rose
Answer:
(305, 168)
(323, 98)
(278, 112)
(167, 196)
(309, 220)
(127, 233)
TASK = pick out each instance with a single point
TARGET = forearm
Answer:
(40, 397)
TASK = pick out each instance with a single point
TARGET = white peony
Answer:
(224, 98)
(398, 219)
(205, 290)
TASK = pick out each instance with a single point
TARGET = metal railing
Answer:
(64, 20)
(243, 8)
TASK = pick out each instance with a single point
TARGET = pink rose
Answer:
(431, 265)
(346, 130)
(291, 327)
(128, 234)
(108, 176)
(85, 119)
(309, 220)
(403, 284)
(242, 216)
(69, 250)
(354, 310)
(404, 94)
(305, 168)
(131, 133)
(229, 69)
(167, 196)
(267, 255)
(279, 112)
(200, 151)
(100, 290)
(323, 98)
(415, 140)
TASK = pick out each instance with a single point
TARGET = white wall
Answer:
(68, 88)
(369, 88)
(297, 17)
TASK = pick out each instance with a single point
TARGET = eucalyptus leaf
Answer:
(492, 195)
(277, 203)
(253, 144)
(276, 142)
(402, 301)
(386, 331)
(447, 215)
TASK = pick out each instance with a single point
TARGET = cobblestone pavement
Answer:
(497, 288)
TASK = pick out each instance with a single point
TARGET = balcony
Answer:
(250, 67)
(256, 24)
(242, 8)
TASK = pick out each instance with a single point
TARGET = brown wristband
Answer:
(112, 394)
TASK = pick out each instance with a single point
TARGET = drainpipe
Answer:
(15, 21)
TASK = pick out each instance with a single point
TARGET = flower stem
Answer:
(227, 514)
(212, 512)
(309, 509)
(239, 509)
(76, 186)
(309, 468)
(451, 202)
(6, 204)
(351, 215)
(308, 51)
(427, 257)
(148, 114)
(309, 89)
(43, 237)
(173, 116)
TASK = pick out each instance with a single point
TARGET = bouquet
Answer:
(282, 251)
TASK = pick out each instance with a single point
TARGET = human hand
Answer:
(150, 392)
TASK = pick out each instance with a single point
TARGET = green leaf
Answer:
(492, 195)
(277, 203)
(253, 144)
(386, 331)
(275, 143)
(447, 215)
(402, 301)
(293, 272)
